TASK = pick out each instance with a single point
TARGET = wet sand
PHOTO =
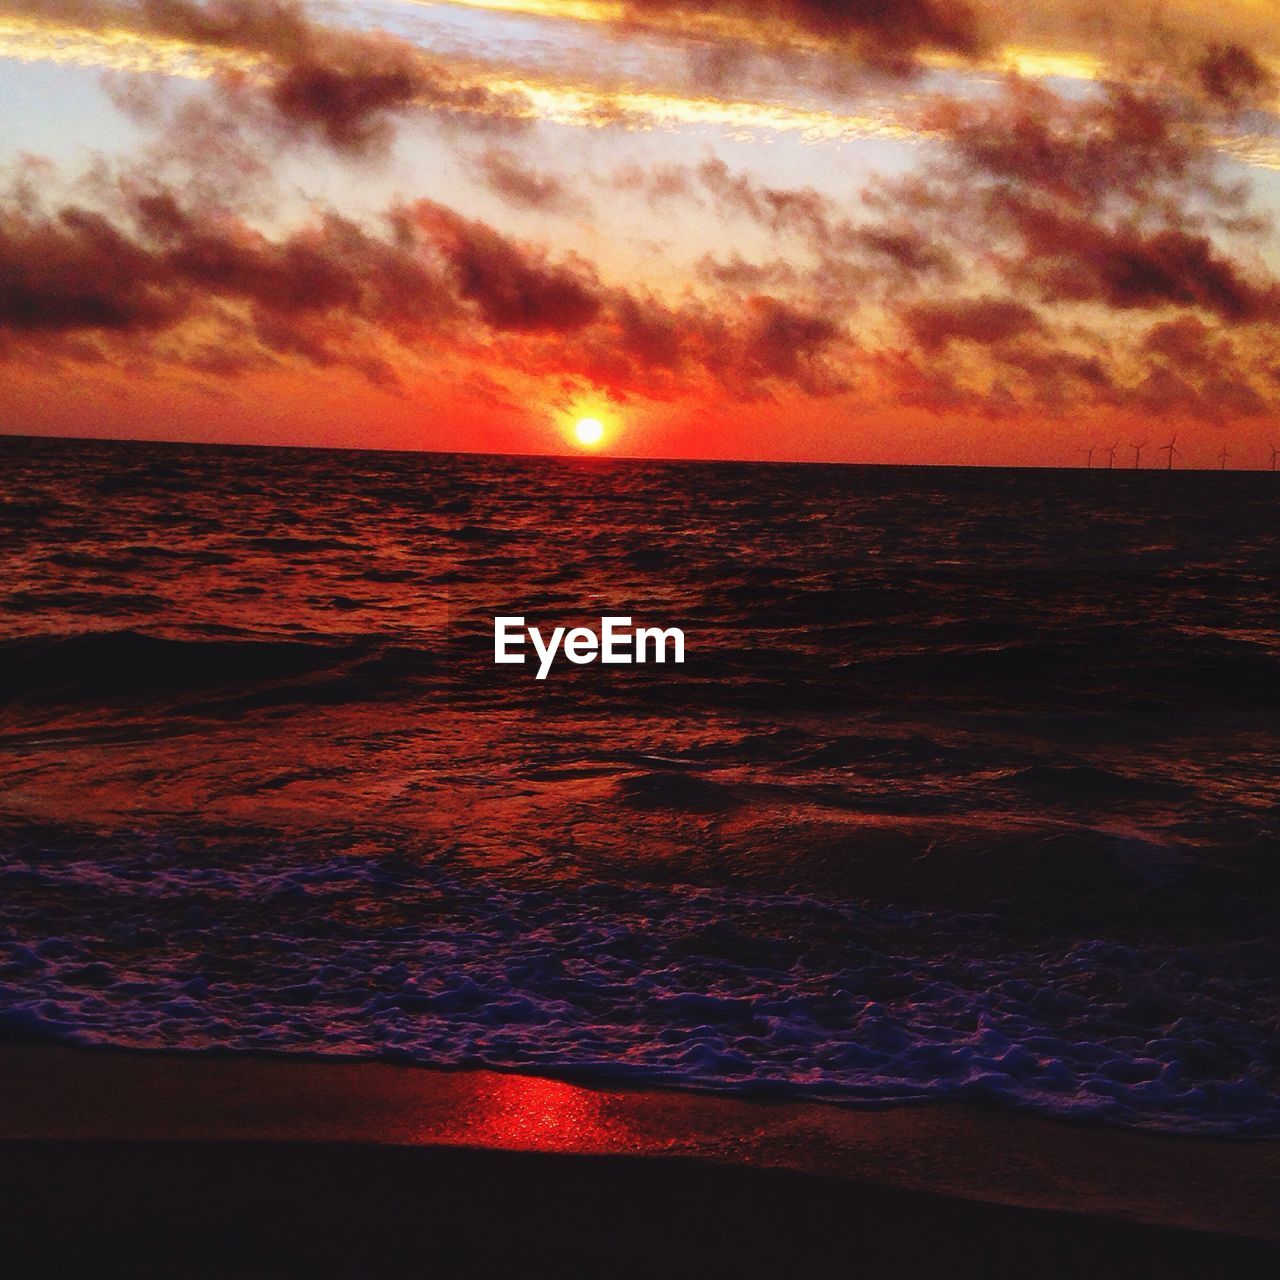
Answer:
(180, 1165)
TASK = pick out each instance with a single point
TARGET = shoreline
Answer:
(51, 1096)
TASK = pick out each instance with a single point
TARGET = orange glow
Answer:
(648, 297)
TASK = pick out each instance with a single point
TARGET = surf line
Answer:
(616, 643)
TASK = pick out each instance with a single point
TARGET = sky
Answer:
(910, 231)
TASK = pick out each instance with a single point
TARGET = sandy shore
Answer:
(246, 1166)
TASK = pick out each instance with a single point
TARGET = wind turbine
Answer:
(1110, 451)
(1222, 460)
(1137, 453)
(1170, 450)
(1089, 452)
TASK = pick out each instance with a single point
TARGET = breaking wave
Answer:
(701, 988)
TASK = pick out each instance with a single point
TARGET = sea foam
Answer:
(698, 988)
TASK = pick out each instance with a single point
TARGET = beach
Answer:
(174, 1164)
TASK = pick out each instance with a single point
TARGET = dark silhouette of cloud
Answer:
(78, 272)
(513, 287)
(985, 321)
(156, 276)
(1232, 76)
(887, 34)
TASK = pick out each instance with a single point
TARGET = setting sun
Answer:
(589, 431)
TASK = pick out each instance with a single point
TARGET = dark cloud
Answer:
(1011, 271)
(1196, 370)
(1117, 145)
(1062, 216)
(344, 87)
(1232, 76)
(77, 272)
(1125, 268)
(1087, 211)
(1059, 377)
(887, 34)
(651, 335)
(514, 288)
(158, 280)
(153, 278)
(786, 342)
(744, 348)
(803, 211)
(908, 251)
(1113, 200)
(1218, 52)
(275, 27)
(985, 321)
(735, 272)
(851, 258)
(1167, 392)
(1187, 342)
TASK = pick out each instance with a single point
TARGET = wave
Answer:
(132, 665)
(300, 546)
(1080, 785)
(666, 791)
(701, 988)
(944, 803)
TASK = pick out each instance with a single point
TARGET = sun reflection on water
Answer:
(525, 1113)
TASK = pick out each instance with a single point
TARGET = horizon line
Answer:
(601, 457)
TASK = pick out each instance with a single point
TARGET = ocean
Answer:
(967, 788)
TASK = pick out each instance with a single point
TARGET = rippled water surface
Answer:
(968, 786)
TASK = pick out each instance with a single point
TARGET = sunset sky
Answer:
(863, 230)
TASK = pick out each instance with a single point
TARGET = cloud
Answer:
(1188, 343)
(1232, 76)
(1054, 252)
(851, 257)
(343, 87)
(1118, 144)
(985, 321)
(1219, 51)
(657, 183)
(1074, 217)
(514, 287)
(735, 272)
(521, 185)
(1202, 48)
(1114, 200)
(1005, 277)
(1195, 369)
(886, 34)
(803, 212)
(153, 279)
(77, 272)
(784, 341)
(906, 250)
(1123, 267)
(729, 348)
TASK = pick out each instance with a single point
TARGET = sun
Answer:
(589, 432)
